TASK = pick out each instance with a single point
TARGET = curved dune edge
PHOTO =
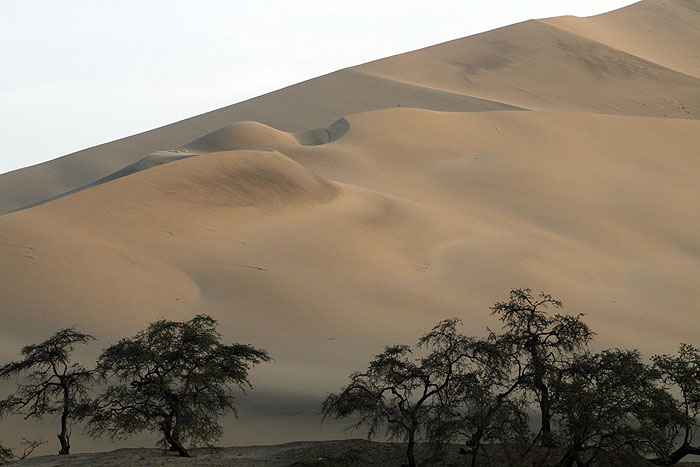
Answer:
(227, 178)
(323, 135)
(150, 161)
(238, 136)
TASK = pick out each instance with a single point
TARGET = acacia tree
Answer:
(682, 371)
(176, 378)
(540, 345)
(52, 383)
(407, 397)
(610, 404)
(481, 405)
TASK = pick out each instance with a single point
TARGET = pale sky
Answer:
(77, 73)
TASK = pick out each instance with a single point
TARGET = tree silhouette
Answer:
(175, 378)
(540, 345)
(482, 404)
(610, 404)
(407, 397)
(682, 371)
(52, 383)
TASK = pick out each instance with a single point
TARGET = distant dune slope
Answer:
(664, 32)
(356, 210)
(639, 60)
(314, 103)
(539, 66)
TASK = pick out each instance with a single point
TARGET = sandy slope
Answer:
(640, 60)
(314, 103)
(670, 39)
(581, 74)
(322, 253)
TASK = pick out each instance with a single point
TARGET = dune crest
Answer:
(228, 178)
(240, 135)
(323, 135)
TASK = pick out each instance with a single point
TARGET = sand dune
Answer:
(315, 103)
(240, 135)
(322, 242)
(640, 60)
(662, 32)
(582, 75)
(429, 215)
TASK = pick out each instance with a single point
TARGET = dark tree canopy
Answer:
(607, 408)
(412, 398)
(682, 373)
(481, 404)
(176, 378)
(48, 382)
(610, 404)
(540, 344)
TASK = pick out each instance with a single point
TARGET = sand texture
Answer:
(325, 220)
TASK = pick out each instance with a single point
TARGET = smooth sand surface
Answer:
(323, 246)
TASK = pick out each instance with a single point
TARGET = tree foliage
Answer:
(605, 408)
(421, 397)
(481, 405)
(540, 344)
(682, 373)
(610, 403)
(49, 382)
(176, 378)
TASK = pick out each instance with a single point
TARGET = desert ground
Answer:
(341, 453)
(330, 218)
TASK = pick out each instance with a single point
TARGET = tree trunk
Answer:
(65, 443)
(547, 439)
(568, 459)
(64, 436)
(541, 387)
(176, 432)
(475, 443)
(175, 444)
(411, 445)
